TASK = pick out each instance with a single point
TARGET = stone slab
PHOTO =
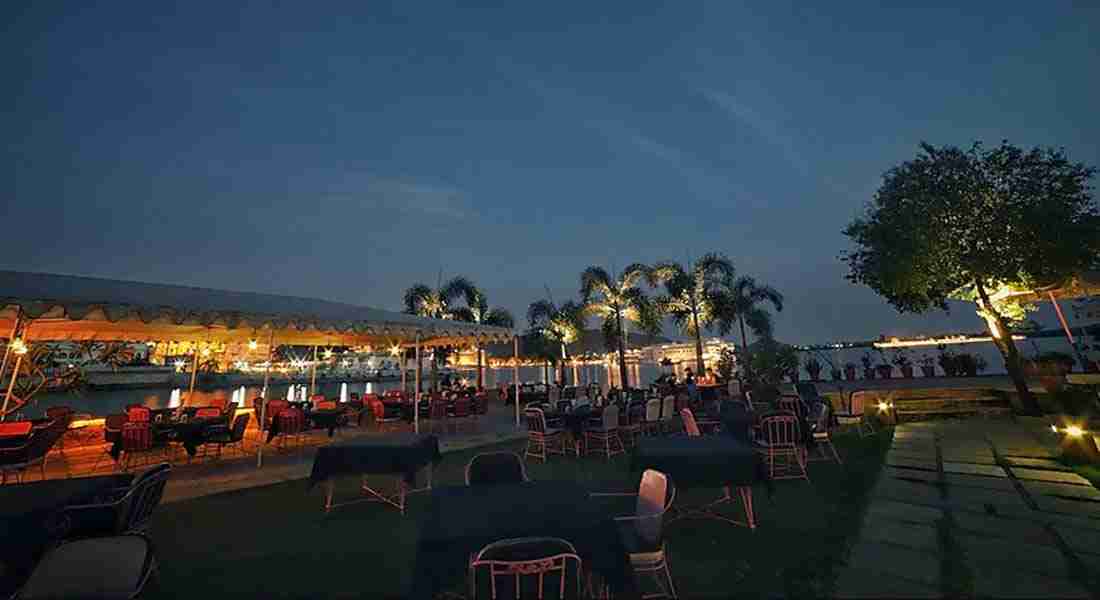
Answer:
(901, 511)
(984, 552)
(983, 500)
(1016, 531)
(911, 463)
(1077, 508)
(912, 474)
(911, 535)
(907, 491)
(1080, 540)
(1080, 492)
(978, 459)
(1034, 451)
(1000, 484)
(1037, 463)
(1049, 476)
(1003, 582)
(1083, 524)
(911, 455)
(896, 561)
(971, 469)
(857, 582)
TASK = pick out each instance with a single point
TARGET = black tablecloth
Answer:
(392, 453)
(700, 462)
(328, 419)
(737, 421)
(463, 520)
(25, 511)
(576, 421)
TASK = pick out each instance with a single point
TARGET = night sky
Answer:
(348, 150)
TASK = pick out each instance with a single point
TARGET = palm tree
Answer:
(477, 311)
(740, 302)
(691, 298)
(562, 325)
(423, 301)
(618, 300)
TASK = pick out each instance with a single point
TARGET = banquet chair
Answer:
(652, 423)
(274, 407)
(792, 403)
(137, 445)
(136, 413)
(56, 412)
(103, 567)
(541, 440)
(536, 567)
(233, 438)
(32, 453)
(855, 415)
(668, 414)
(208, 412)
(292, 426)
(112, 430)
(822, 421)
(605, 439)
(780, 444)
(490, 468)
(690, 426)
(121, 511)
(324, 405)
(642, 532)
(381, 421)
(316, 399)
(630, 423)
(438, 415)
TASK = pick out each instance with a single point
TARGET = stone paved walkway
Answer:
(976, 508)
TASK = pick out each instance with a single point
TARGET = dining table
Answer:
(460, 520)
(400, 453)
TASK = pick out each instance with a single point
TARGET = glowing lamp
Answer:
(1054, 428)
(328, 354)
(883, 407)
(206, 351)
(1074, 431)
(18, 346)
(253, 344)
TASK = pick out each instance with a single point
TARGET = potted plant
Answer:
(884, 369)
(927, 365)
(813, 367)
(902, 361)
(868, 370)
(850, 371)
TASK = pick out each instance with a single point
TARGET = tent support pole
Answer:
(313, 373)
(515, 373)
(263, 398)
(194, 373)
(7, 347)
(416, 395)
(1065, 327)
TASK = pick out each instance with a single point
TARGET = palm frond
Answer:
(540, 312)
(459, 287)
(770, 295)
(416, 297)
(759, 321)
(595, 280)
(499, 317)
(715, 267)
(464, 314)
(664, 271)
(634, 274)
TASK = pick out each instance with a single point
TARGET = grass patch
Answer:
(275, 541)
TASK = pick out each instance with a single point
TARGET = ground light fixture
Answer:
(18, 346)
(1078, 444)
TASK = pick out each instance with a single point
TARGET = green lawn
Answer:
(275, 541)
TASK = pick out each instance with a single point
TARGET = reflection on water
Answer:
(105, 402)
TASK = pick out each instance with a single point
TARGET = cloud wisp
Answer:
(762, 125)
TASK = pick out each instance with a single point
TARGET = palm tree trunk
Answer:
(561, 379)
(479, 374)
(699, 366)
(744, 346)
(622, 349)
(435, 373)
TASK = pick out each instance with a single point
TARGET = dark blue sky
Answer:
(348, 150)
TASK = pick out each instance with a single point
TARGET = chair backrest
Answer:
(554, 394)
(54, 412)
(569, 392)
(291, 421)
(144, 496)
(378, 409)
(527, 568)
(690, 426)
(368, 398)
(325, 405)
(438, 409)
(653, 409)
(138, 414)
(240, 425)
(462, 407)
(495, 467)
(821, 417)
(274, 407)
(565, 405)
(113, 423)
(42, 440)
(208, 412)
(315, 398)
(610, 418)
(653, 502)
(791, 404)
(137, 437)
(229, 411)
(857, 400)
(780, 430)
(668, 407)
(536, 420)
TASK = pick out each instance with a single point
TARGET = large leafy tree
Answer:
(741, 303)
(972, 225)
(617, 301)
(561, 325)
(438, 303)
(693, 295)
(477, 311)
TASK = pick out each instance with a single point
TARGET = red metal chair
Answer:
(526, 568)
(137, 445)
(855, 416)
(541, 441)
(274, 407)
(822, 422)
(138, 414)
(292, 425)
(780, 443)
(325, 405)
(208, 412)
(690, 426)
(378, 409)
(792, 404)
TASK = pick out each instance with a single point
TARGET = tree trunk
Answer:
(561, 380)
(744, 347)
(622, 348)
(1011, 355)
(699, 366)
(546, 372)
(479, 374)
